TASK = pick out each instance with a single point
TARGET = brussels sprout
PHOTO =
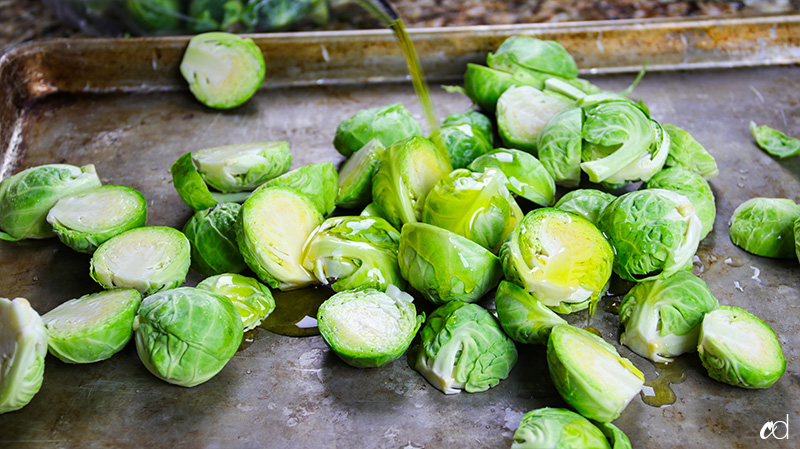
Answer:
(242, 167)
(478, 121)
(765, 227)
(388, 124)
(655, 233)
(86, 220)
(23, 345)
(93, 327)
(559, 257)
(559, 428)
(271, 15)
(461, 347)
(692, 186)
(775, 142)
(213, 15)
(588, 203)
(797, 238)
(523, 317)
(223, 70)
(462, 142)
(273, 226)
(522, 113)
(560, 147)
(369, 328)
(212, 236)
(444, 266)
(148, 259)
(355, 253)
(533, 54)
(589, 373)
(355, 176)
(661, 318)
(26, 198)
(474, 205)
(319, 182)
(407, 172)
(374, 210)
(740, 349)
(155, 15)
(185, 336)
(686, 152)
(252, 299)
(484, 85)
(527, 177)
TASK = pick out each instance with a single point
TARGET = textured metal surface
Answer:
(129, 115)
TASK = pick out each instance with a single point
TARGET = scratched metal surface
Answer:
(131, 117)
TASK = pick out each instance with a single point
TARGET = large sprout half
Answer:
(23, 347)
(527, 177)
(522, 113)
(588, 203)
(319, 182)
(388, 124)
(523, 317)
(558, 428)
(242, 167)
(694, 187)
(252, 299)
(765, 227)
(355, 175)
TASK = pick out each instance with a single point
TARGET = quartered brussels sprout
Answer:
(26, 198)
(355, 176)
(560, 258)
(223, 70)
(155, 15)
(765, 227)
(388, 124)
(23, 345)
(559, 428)
(408, 171)
(319, 182)
(740, 349)
(481, 123)
(93, 327)
(369, 328)
(655, 233)
(148, 259)
(588, 203)
(693, 187)
(775, 142)
(444, 266)
(252, 299)
(523, 317)
(212, 236)
(273, 227)
(462, 347)
(686, 152)
(272, 15)
(527, 177)
(524, 52)
(661, 318)
(213, 15)
(589, 373)
(522, 113)
(354, 253)
(186, 335)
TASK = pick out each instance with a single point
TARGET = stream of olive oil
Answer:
(295, 313)
(659, 393)
(417, 75)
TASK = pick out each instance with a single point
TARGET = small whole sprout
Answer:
(319, 182)
(524, 318)
(774, 142)
(252, 299)
(463, 142)
(355, 176)
(693, 187)
(522, 113)
(588, 203)
(212, 236)
(481, 123)
(223, 70)
(740, 349)
(185, 336)
(272, 15)
(369, 328)
(213, 15)
(527, 177)
(93, 327)
(559, 428)
(462, 347)
(388, 124)
(535, 55)
(686, 152)
(765, 227)
(23, 346)
(158, 16)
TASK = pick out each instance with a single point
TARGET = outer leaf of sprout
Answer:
(355, 176)
(694, 187)
(765, 227)
(252, 299)
(319, 182)
(388, 124)
(522, 113)
(686, 152)
(775, 142)
(23, 343)
(647, 164)
(527, 177)
(557, 428)
(524, 318)
(242, 167)
(190, 185)
(588, 203)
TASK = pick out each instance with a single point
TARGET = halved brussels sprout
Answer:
(185, 336)
(388, 124)
(155, 15)
(223, 70)
(522, 113)
(527, 177)
(775, 142)
(661, 318)
(523, 317)
(244, 166)
(462, 142)
(686, 152)
(589, 373)
(484, 85)
(478, 121)
(444, 266)
(212, 235)
(740, 349)
(252, 299)
(26, 198)
(765, 227)
(588, 203)
(533, 54)
(273, 226)
(23, 345)
(692, 186)
(148, 259)
(319, 182)
(369, 328)
(355, 176)
(93, 327)
(462, 347)
(560, 147)
(559, 428)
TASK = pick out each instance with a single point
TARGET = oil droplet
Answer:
(611, 304)
(594, 331)
(734, 261)
(296, 311)
(247, 340)
(657, 392)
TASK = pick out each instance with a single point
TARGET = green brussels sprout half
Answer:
(369, 328)
(560, 147)
(524, 318)
(661, 318)
(388, 124)
(774, 142)
(522, 113)
(93, 327)
(481, 123)
(26, 198)
(252, 299)
(533, 55)
(148, 259)
(527, 177)
(686, 152)
(160, 16)
(223, 70)
(444, 266)
(462, 347)
(212, 236)
(319, 182)
(589, 373)
(558, 428)
(462, 142)
(655, 233)
(374, 210)
(86, 220)
(588, 203)
(408, 171)
(23, 345)
(242, 167)
(273, 227)
(355, 253)
(185, 336)
(740, 349)
(272, 15)
(355, 176)
(213, 15)
(560, 258)
(765, 227)
(484, 85)
(692, 186)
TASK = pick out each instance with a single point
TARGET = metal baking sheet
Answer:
(121, 105)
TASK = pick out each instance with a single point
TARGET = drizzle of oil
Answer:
(657, 392)
(593, 330)
(247, 340)
(294, 310)
(417, 75)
